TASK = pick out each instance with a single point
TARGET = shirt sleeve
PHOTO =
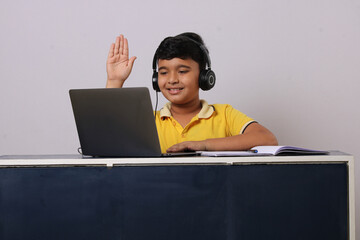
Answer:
(236, 121)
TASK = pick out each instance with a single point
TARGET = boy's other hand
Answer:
(118, 64)
(188, 146)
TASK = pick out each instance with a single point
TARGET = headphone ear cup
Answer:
(155, 81)
(207, 79)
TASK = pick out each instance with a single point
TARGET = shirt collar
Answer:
(205, 112)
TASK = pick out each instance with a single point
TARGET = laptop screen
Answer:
(115, 122)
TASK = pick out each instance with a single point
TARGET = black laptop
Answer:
(116, 122)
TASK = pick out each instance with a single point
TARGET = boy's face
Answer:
(179, 80)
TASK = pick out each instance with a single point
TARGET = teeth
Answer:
(174, 90)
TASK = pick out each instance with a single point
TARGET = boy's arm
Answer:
(254, 135)
(118, 64)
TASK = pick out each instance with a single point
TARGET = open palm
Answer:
(118, 65)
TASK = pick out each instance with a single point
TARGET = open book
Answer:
(265, 151)
(287, 150)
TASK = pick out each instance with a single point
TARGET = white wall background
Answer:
(292, 65)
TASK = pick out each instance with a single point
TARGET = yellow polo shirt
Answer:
(213, 121)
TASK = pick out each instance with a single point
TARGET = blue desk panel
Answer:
(255, 201)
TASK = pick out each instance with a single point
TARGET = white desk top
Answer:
(79, 160)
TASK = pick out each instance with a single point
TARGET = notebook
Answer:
(116, 122)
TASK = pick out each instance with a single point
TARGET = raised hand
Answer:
(118, 64)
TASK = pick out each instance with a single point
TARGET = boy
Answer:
(187, 123)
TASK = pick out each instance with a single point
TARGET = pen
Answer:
(253, 150)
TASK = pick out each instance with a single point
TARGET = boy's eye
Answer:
(163, 73)
(183, 71)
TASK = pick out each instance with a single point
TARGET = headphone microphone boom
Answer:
(207, 76)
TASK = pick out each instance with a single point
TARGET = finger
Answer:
(126, 48)
(111, 51)
(121, 44)
(177, 148)
(131, 61)
(117, 45)
(171, 149)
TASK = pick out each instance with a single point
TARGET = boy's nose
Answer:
(173, 79)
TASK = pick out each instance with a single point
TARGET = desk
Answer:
(70, 197)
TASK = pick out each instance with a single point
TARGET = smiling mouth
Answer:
(174, 90)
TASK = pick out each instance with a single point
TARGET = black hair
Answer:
(184, 46)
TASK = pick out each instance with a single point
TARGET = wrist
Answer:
(114, 83)
(207, 145)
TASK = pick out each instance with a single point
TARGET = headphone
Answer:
(207, 77)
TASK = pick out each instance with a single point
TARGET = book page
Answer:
(287, 150)
(228, 153)
(267, 149)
